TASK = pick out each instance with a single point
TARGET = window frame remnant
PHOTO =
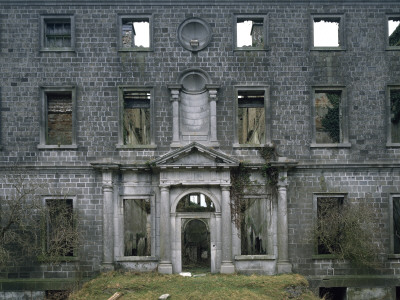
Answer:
(240, 92)
(342, 115)
(139, 103)
(393, 115)
(334, 18)
(396, 32)
(149, 242)
(340, 199)
(257, 18)
(45, 94)
(57, 34)
(134, 19)
(394, 211)
(70, 204)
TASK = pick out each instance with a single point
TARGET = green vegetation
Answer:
(153, 285)
(331, 121)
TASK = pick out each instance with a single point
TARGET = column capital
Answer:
(165, 187)
(225, 187)
(175, 92)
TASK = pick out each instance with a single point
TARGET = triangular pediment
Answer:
(195, 155)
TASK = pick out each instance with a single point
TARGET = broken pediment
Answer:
(195, 155)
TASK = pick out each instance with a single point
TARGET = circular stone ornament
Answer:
(194, 34)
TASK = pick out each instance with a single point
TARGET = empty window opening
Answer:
(254, 227)
(195, 202)
(57, 295)
(332, 293)
(328, 117)
(59, 118)
(57, 33)
(251, 117)
(137, 227)
(61, 236)
(394, 31)
(250, 33)
(328, 225)
(395, 115)
(136, 117)
(326, 32)
(135, 33)
(396, 225)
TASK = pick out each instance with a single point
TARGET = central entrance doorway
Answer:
(195, 246)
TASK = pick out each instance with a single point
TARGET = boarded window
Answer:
(396, 225)
(195, 202)
(326, 32)
(136, 118)
(59, 118)
(135, 33)
(254, 227)
(61, 235)
(328, 117)
(394, 31)
(328, 217)
(251, 117)
(395, 115)
(250, 33)
(137, 227)
(57, 33)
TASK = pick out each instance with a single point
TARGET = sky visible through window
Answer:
(393, 25)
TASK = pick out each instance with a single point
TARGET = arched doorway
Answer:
(195, 246)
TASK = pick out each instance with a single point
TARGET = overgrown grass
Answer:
(218, 286)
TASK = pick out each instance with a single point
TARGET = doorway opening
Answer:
(196, 256)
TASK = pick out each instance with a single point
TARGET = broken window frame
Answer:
(337, 18)
(341, 198)
(267, 113)
(46, 230)
(135, 18)
(56, 19)
(44, 92)
(389, 116)
(394, 249)
(388, 18)
(121, 91)
(343, 115)
(251, 17)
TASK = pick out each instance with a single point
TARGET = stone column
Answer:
(283, 265)
(108, 228)
(226, 228)
(165, 265)
(212, 97)
(175, 98)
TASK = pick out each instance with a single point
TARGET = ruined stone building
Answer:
(137, 114)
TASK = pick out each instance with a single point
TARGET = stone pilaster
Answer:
(108, 222)
(175, 99)
(226, 228)
(165, 265)
(212, 97)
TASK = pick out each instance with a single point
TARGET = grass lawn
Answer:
(211, 286)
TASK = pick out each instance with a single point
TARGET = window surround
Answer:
(389, 142)
(120, 237)
(387, 32)
(342, 35)
(315, 210)
(268, 115)
(121, 90)
(48, 18)
(343, 111)
(391, 224)
(75, 256)
(44, 90)
(136, 17)
(262, 17)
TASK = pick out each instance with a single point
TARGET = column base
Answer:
(284, 267)
(106, 267)
(227, 267)
(165, 268)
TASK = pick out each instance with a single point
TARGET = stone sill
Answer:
(136, 259)
(58, 50)
(393, 145)
(339, 145)
(135, 50)
(393, 48)
(393, 256)
(241, 49)
(236, 145)
(328, 49)
(254, 257)
(57, 147)
(135, 147)
(324, 256)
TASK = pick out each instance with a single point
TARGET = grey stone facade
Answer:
(99, 171)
